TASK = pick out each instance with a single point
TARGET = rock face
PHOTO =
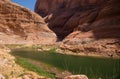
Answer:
(19, 25)
(64, 16)
(91, 26)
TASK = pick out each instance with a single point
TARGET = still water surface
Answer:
(105, 68)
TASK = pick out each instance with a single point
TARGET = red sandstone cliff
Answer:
(19, 25)
(65, 16)
(90, 26)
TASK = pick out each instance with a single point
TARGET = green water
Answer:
(94, 68)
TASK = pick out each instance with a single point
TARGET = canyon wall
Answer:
(65, 16)
(19, 25)
(88, 26)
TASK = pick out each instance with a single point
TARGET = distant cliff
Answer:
(19, 25)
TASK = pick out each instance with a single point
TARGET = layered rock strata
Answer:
(19, 25)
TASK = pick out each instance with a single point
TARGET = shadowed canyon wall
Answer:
(88, 26)
(66, 16)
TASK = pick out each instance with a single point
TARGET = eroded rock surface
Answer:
(66, 16)
(85, 25)
(19, 25)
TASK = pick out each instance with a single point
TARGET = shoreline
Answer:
(85, 55)
(43, 48)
